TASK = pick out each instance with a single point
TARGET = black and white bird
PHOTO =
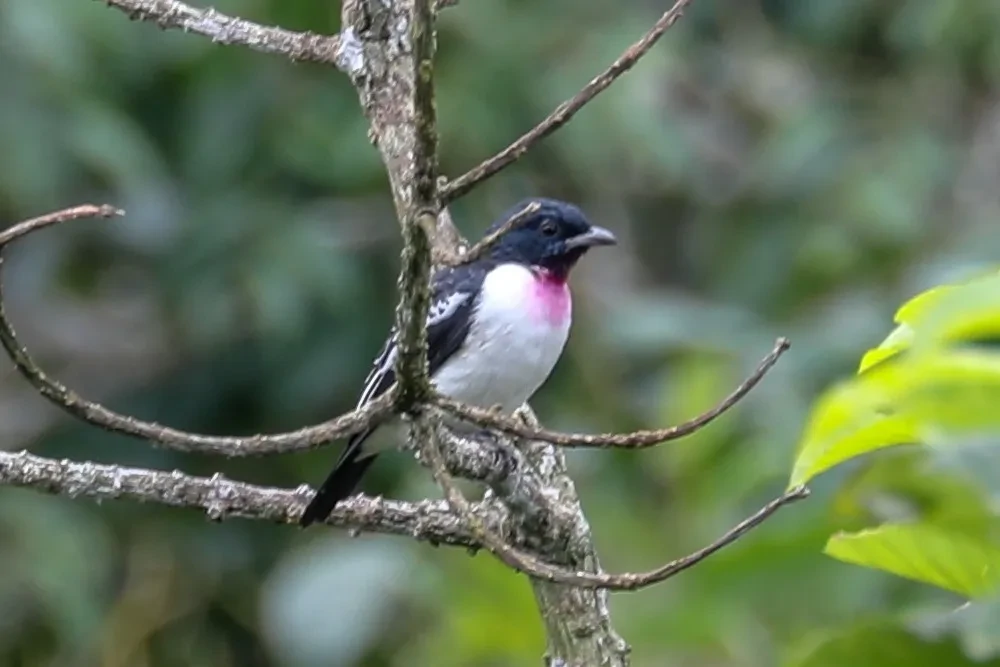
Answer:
(495, 329)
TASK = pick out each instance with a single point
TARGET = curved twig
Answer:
(320, 434)
(94, 413)
(529, 564)
(634, 440)
(483, 246)
(564, 112)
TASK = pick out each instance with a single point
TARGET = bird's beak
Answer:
(593, 237)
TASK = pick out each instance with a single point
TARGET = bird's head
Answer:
(551, 240)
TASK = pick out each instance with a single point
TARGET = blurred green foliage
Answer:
(773, 167)
(931, 382)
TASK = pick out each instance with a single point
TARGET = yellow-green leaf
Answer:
(957, 561)
(928, 398)
(952, 392)
(851, 419)
(943, 315)
(899, 340)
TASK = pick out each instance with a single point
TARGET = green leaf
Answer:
(851, 419)
(914, 485)
(949, 393)
(961, 562)
(923, 399)
(899, 340)
(946, 315)
(883, 644)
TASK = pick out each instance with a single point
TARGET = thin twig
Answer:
(94, 413)
(484, 245)
(222, 498)
(20, 229)
(565, 111)
(223, 29)
(528, 564)
(634, 440)
(320, 434)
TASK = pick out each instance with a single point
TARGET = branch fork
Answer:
(530, 518)
(412, 397)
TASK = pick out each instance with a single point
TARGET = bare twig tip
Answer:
(108, 211)
(799, 492)
(484, 246)
(530, 564)
(633, 440)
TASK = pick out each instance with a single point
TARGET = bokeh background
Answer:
(773, 167)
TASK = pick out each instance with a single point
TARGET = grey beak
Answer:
(593, 237)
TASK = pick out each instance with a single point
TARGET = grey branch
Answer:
(390, 65)
(565, 111)
(223, 29)
(546, 519)
(418, 213)
(484, 246)
(309, 437)
(532, 565)
(634, 440)
(221, 498)
(531, 517)
(413, 283)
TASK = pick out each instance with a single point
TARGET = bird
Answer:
(496, 326)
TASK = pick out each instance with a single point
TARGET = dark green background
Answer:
(773, 167)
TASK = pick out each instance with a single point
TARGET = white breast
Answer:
(519, 331)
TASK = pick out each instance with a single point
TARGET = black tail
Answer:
(346, 474)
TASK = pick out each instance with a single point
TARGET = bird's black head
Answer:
(553, 238)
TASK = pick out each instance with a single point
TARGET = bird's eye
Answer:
(549, 228)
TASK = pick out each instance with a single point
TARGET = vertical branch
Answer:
(393, 70)
(419, 216)
(546, 525)
(387, 47)
(577, 619)
(425, 114)
(413, 386)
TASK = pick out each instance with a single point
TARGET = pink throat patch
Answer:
(550, 297)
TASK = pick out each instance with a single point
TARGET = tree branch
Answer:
(531, 518)
(94, 413)
(418, 215)
(221, 498)
(412, 381)
(577, 619)
(484, 245)
(545, 518)
(394, 77)
(223, 29)
(413, 287)
(529, 564)
(25, 227)
(562, 114)
(636, 439)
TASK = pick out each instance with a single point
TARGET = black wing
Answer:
(453, 298)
